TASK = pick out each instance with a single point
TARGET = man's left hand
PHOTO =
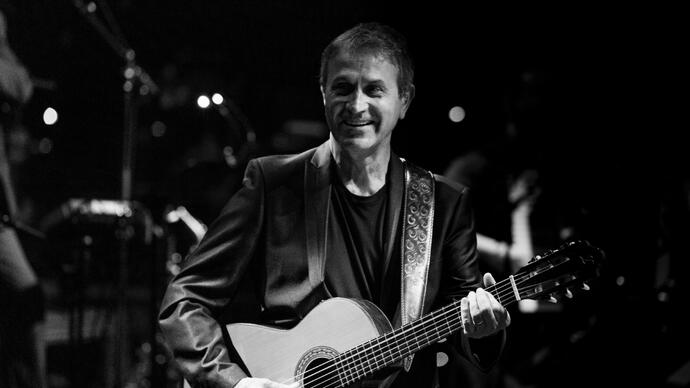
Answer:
(482, 315)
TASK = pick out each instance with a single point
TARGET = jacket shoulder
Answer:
(278, 168)
(451, 186)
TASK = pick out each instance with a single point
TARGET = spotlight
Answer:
(203, 101)
(217, 98)
(50, 116)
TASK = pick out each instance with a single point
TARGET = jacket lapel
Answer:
(317, 194)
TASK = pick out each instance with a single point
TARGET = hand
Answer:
(481, 313)
(252, 382)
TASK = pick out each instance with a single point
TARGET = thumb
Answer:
(488, 280)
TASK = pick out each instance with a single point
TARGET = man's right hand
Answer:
(252, 382)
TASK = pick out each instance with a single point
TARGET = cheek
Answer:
(388, 113)
(334, 108)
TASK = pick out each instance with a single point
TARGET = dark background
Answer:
(595, 93)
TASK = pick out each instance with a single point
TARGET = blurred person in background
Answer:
(22, 306)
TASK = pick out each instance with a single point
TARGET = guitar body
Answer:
(332, 327)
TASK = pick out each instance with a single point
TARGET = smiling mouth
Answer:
(357, 123)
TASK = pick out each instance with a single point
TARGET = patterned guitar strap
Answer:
(418, 220)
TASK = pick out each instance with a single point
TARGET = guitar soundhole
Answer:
(320, 373)
(317, 368)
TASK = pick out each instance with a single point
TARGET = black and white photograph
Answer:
(319, 194)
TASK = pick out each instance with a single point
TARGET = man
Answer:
(22, 348)
(328, 222)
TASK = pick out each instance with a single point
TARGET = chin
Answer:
(357, 144)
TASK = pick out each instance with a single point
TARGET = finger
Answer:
(488, 280)
(465, 316)
(489, 307)
(485, 303)
(475, 311)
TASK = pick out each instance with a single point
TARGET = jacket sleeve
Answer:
(462, 275)
(206, 284)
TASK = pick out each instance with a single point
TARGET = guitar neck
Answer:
(380, 352)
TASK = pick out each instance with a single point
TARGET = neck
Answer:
(362, 173)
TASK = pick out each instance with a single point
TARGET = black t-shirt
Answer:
(355, 248)
(355, 259)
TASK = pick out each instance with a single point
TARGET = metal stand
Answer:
(136, 82)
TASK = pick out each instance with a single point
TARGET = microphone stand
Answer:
(136, 82)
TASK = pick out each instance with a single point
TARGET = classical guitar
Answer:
(344, 340)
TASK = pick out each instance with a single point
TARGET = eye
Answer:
(341, 88)
(375, 90)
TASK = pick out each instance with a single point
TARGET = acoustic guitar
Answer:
(342, 340)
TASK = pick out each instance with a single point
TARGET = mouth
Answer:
(358, 123)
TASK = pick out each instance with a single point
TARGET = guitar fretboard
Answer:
(380, 352)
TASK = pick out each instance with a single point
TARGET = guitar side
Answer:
(332, 327)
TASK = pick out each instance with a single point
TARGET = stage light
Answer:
(50, 116)
(203, 101)
(456, 114)
(217, 98)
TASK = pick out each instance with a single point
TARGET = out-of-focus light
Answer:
(217, 98)
(50, 116)
(158, 128)
(203, 101)
(456, 114)
(528, 306)
(45, 146)
(129, 72)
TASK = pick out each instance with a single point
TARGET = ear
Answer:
(323, 95)
(407, 100)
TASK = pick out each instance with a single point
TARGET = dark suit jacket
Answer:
(275, 225)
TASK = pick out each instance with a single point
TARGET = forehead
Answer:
(371, 66)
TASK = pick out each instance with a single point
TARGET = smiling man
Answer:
(348, 219)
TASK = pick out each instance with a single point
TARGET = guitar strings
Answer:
(449, 310)
(371, 346)
(413, 327)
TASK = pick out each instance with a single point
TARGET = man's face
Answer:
(362, 102)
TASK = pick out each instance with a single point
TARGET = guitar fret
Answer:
(368, 360)
(340, 371)
(458, 314)
(358, 365)
(436, 327)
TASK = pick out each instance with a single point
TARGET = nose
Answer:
(357, 102)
